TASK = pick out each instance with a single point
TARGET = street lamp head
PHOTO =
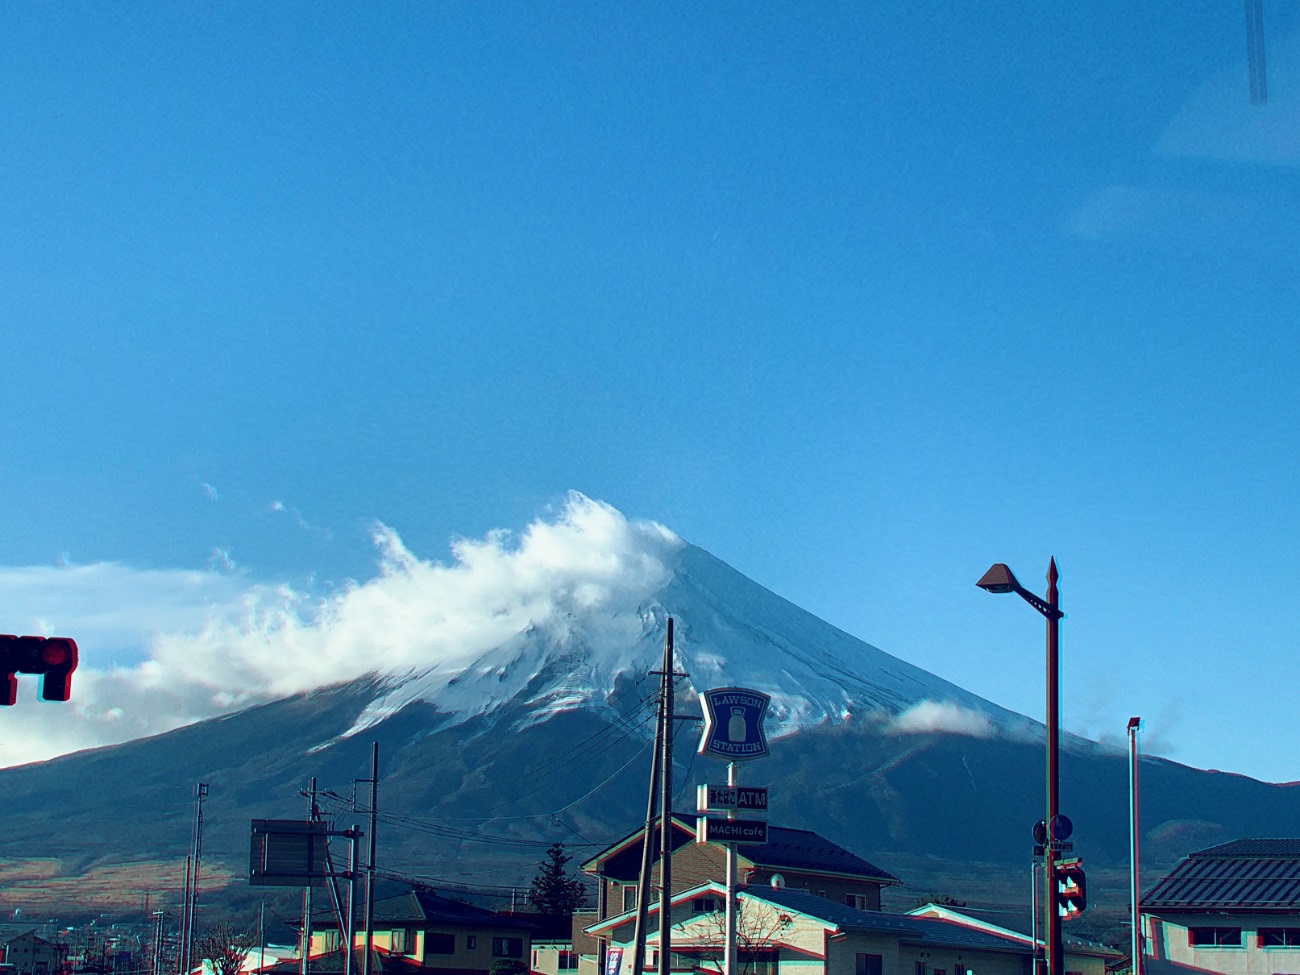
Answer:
(999, 578)
(1134, 723)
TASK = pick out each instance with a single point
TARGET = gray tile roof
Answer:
(426, 907)
(913, 929)
(1245, 875)
(801, 849)
(1021, 923)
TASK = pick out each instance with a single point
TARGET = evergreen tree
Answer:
(554, 890)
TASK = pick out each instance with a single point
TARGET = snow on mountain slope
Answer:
(555, 616)
(729, 630)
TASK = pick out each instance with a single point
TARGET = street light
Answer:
(1000, 578)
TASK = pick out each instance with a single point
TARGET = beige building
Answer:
(787, 931)
(1233, 909)
(424, 933)
(24, 952)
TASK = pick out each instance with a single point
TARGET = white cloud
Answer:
(942, 716)
(213, 642)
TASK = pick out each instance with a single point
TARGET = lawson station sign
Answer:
(733, 724)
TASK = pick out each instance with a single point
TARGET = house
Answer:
(1233, 909)
(24, 952)
(795, 858)
(1082, 957)
(788, 931)
(802, 858)
(553, 950)
(424, 932)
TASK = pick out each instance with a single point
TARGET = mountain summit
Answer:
(591, 636)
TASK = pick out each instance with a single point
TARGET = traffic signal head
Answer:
(54, 658)
(1071, 891)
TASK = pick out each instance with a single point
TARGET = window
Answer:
(436, 943)
(1214, 937)
(471, 942)
(397, 941)
(870, 964)
(858, 901)
(920, 968)
(706, 905)
(568, 961)
(629, 898)
(1279, 937)
(507, 947)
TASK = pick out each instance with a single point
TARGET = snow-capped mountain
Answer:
(729, 631)
(510, 696)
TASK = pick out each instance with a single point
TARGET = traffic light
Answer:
(1071, 888)
(54, 658)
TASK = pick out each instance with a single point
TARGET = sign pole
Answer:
(729, 956)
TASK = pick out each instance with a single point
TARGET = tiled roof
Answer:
(1017, 922)
(801, 849)
(1245, 875)
(786, 849)
(1254, 848)
(926, 930)
(426, 907)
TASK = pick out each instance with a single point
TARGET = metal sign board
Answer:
(711, 797)
(286, 853)
(733, 724)
(709, 830)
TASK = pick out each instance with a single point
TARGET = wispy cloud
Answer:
(941, 716)
(204, 643)
(279, 507)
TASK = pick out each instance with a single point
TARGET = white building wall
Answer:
(1168, 950)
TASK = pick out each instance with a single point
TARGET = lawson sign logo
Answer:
(733, 724)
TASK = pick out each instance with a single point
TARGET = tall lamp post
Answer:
(999, 578)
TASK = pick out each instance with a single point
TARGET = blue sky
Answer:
(859, 297)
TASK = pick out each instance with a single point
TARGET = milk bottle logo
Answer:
(733, 723)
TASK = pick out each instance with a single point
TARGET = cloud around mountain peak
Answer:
(230, 647)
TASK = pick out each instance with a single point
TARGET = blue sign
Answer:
(733, 724)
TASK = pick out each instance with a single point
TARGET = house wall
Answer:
(698, 863)
(949, 960)
(473, 945)
(546, 957)
(1168, 950)
(823, 885)
(842, 953)
(33, 955)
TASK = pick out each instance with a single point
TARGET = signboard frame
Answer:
(287, 853)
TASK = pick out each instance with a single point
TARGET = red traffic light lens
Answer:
(55, 653)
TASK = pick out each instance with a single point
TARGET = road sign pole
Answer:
(729, 952)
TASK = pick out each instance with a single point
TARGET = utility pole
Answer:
(647, 850)
(192, 881)
(306, 891)
(370, 858)
(666, 806)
